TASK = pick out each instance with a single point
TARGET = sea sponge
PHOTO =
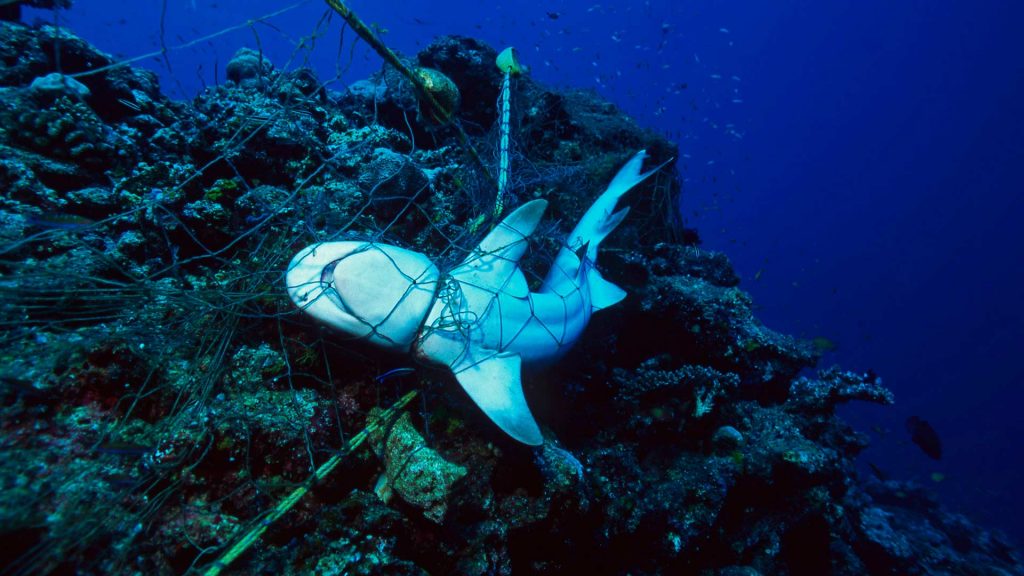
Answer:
(413, 470)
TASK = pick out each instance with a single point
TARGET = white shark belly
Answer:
(470, 324)
(540, 328)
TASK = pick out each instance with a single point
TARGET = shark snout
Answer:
(374, 291)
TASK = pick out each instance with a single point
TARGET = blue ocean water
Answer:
(859, 162)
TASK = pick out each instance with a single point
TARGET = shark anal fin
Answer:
(603, 293)
(495, 386)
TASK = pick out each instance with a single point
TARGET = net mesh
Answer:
(175, 392)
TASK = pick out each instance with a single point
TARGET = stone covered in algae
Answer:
(413, 470)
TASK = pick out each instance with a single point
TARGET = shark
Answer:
(480, 319)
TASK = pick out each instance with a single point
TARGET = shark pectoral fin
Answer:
(495, 385)
(602, 292)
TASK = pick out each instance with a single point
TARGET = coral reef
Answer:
(160, 394)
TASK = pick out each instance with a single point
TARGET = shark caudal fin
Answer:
(601, 219)
(582, 244)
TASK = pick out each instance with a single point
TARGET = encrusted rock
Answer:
(726, 439)
(247, 66)
(834, 386)
(57, 84)
(416, 472)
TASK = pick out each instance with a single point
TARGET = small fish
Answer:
(723, 30)
(60, 221)
(553, 15)
(926, 438)
(130, 105)
(383, 489)
(822, 344)
(394, 373)
(878, 472)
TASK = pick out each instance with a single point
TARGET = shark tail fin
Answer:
(600, 220)
(595, 225)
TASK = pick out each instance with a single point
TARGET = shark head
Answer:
(377, 292)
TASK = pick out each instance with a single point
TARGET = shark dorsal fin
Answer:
(494, 262)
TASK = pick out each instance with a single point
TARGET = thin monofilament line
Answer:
(162, 52)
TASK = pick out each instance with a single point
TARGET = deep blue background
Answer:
(859, 161)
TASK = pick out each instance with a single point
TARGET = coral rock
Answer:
(416, 472)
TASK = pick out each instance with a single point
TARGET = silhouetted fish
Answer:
(60, 221)
(878, 472)
(394, 373)
(922, 434)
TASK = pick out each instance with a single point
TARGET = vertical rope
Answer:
(505, 166)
